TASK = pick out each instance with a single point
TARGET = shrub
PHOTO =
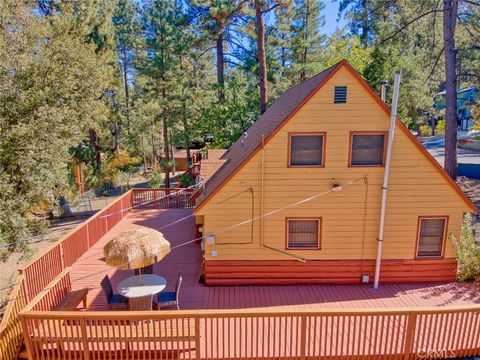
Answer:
(440, 128)
(120, 179)
(156, 179)
(186, 180)
(167, 165)
(467, 251)
(425, 130)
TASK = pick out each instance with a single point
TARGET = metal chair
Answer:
(114, 301)
(169, 298)
(141, 303)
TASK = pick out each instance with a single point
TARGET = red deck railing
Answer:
(42, 270)
(258, 334)
(163, 198)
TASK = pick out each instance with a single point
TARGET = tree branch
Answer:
(204, 52)
(469, 2)
(271, 8)
(434, 65)
(234, 63)
(408, 24)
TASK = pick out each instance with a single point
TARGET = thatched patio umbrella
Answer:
(135, 249)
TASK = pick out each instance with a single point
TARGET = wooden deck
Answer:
(91, 268)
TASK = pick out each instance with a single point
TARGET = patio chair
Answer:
(145, 270)
(169, 298)
(141, 303)
(114, 301)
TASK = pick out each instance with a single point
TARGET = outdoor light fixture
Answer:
(337, 187)
(210, 239)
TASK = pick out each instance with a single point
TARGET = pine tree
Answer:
(307, 40)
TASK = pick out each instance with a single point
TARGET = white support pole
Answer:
(386, 175)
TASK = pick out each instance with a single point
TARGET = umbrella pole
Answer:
(141, 282)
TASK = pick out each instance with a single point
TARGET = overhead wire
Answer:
(272, 212)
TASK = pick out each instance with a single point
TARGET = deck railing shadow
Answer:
(40, 271)
(247, 334)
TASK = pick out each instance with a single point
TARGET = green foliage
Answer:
(440, 128)
(186, 180)
(156, 179)
(51, 83)
(167, 165)
(222, 124)
(467, 250)
(425, 130)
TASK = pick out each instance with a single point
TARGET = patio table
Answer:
(141, 285)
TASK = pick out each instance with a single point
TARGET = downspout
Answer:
(381, 229)
(262, 193)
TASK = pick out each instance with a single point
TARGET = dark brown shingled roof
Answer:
(276, 114)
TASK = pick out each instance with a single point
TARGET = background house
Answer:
(327, 131)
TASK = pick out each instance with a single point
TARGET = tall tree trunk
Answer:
(303, 74)
(116, 145)
(186, 130)
(220, 68)
(144, 157)
(365, 26)
(262, 61)
(166, 152)
(449, 16)
(125, 84)
(154, 154)
(92, 134)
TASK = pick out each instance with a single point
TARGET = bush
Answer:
(440, 129)
(467, 251)
(120, 179)
(167, 165)
(186, 180)
(156, 179)
(425, 130)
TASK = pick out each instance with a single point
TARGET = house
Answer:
(212, 160)
(466, 99)
(326, 138)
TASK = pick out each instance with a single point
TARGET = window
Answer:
(367, 149)
(431, 235)
(303, 233)
(340, 95)
(306, 150)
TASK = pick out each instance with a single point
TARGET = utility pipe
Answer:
(383, 88)
(262, 185)
(378, 262)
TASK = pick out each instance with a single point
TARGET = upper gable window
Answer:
(367, 149)
(340, 95)
(306, 149)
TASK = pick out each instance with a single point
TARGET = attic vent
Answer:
(340, 95)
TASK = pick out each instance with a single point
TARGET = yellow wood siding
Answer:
(349, 218)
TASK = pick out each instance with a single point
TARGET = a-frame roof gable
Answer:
(279, 113)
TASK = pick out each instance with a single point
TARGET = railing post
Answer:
(303, 336)
(409, 333)
(83, 328)
(26, 336)
(87, 226)
(197, 338)
(62, 255)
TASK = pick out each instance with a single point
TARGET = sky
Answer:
(331, 16)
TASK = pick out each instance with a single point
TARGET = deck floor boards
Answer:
(89, 270)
